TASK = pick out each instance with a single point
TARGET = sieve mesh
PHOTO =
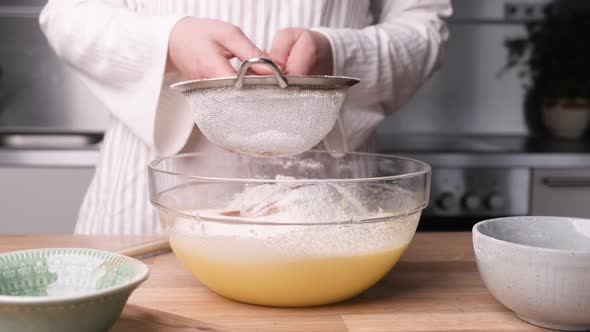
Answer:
(266, 120)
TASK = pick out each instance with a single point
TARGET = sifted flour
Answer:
(249, 226)
(302, 203)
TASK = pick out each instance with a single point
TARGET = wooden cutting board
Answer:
(138, 318)
(435, 287)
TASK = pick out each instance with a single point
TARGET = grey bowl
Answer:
(65, 289)
(539, 267)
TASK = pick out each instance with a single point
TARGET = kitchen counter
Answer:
(87, 157)
(489, 151)
(48, 149)
(435, 287)
(519, 144)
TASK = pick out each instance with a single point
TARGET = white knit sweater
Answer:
(119, 48)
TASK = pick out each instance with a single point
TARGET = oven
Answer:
(480, 177)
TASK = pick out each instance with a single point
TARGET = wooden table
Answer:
(435, 287)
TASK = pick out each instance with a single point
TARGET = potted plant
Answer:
(553, 60)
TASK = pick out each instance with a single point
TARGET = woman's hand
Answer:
(303, 52)
(201, 48)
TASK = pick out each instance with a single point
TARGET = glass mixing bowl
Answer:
(303, 230)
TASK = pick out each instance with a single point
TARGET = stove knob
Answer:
(446, 201)
(470, 202)
(494, 202)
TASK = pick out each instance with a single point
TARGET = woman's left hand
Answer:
(302, 52)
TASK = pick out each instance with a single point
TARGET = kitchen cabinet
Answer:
(561, 192)
(41, 199)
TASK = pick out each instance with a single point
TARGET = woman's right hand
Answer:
(201, 48)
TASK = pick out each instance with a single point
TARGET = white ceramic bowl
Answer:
(539, 267)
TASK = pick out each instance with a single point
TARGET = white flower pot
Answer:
(566, 118)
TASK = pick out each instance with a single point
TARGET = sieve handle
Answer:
(262, 61)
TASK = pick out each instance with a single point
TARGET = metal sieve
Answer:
(266, 116)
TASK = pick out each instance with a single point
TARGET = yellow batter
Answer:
(259, 276)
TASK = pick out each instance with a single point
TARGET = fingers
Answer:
(217, 66)
(238, 45)
(202, 48)
(303, 55)
(263, 69)
(296, 48)
(236, 42)
(282, 44)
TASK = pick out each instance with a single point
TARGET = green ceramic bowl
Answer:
(65, 289)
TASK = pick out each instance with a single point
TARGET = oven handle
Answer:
(566, 181)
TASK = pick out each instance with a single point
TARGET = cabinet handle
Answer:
(566, 181)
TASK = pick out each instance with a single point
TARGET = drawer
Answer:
(41, 199)
(561, 192)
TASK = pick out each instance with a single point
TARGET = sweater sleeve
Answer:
(121, 56)
(392, 58)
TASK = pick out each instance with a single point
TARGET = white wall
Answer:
(467, 96)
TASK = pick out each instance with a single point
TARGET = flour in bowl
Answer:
(301, 203)
(297, 219)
